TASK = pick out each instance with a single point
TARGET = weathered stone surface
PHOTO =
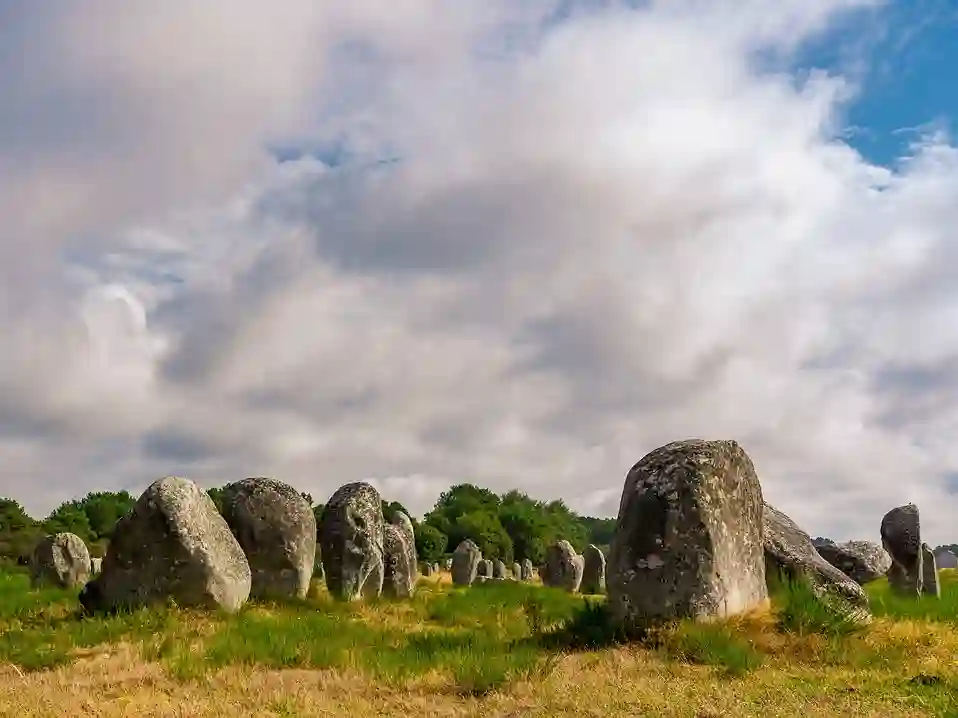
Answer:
(516, 572)
(465, 563)
(435, 568)
(499, 569)
(929, 572)
(427, 570)
(688, 539)
(861, 561)
(593, 575)
(946, 559)
(276, 527)
(563, 567)
(527, 570)
(484, 570)
(351, 540)
(60, 560)
(789, 552)
(173, 545)
(95, 565)
(399, 555)
(901, 538)
(447, 564)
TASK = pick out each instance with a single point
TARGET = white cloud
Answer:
(626, 231)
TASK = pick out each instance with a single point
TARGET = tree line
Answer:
(510, 527)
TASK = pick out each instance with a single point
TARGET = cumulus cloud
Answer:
(566, 233)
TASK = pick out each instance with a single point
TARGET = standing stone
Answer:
(861, 561)
(484, 570)
(95, 565)
(435, 568)
(173, 545)
(564, 567)
(516, 572)
(447, 564)
(499, 570)
(593, 576)
(60, 560)
(901, 538)
(527, 570)
(276, 527)
(789, 552)
(427, 570)
(351, 539)
(465, 563)
(929, 572)
(399, 555)
(945, 558)
(688, 539)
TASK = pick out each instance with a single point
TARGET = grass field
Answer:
(500, 649)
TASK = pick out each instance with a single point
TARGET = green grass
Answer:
(482, 639)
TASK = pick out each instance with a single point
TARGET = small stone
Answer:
(564, 567)
(465, 563)
(929, 572)
(593, 576)
(901, 538)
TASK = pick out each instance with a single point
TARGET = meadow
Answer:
(496, 649)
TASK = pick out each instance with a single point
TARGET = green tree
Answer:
(485, 529)
(69, 517)
(216, 493)
(600, 531)
(391, 507)
(19, 533)
(458, 501)
(431, 543)
(103, 509)
(318, 514)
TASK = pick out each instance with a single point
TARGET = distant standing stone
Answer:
(435, 568)
(173, 545)
(901, 538)
(95, 566)
(527, 570)
(427, 570)
(564, 567)
(465, 563)
(789, 551)
(447, 564)
(484, 570)
(499, 570)
(399, 556)
(929, 572)
(861, 561)
(593, 576)
(688, 541)
(516, 572)
(276, 527)
(351, 540)
(60, 560)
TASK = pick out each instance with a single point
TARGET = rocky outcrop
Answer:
(276, 527)
(861, 561)
(60, 560)
(901, 538)
(688, 539)
(173, 545)
(351, 540)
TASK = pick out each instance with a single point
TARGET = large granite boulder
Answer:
(276, 527)
(564, 567)
(688, 539)
(465, 563)
(789, 554)
(60, 560)
(399, 556)
(861, 561)
(901, 538)
(945, 558)
(929, 572)
(351, 540)
(593, 574)
(173, 545)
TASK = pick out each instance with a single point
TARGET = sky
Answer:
(515, 243)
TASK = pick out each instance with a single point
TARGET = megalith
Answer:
(61, 560)
(901, 538)
(351, 540)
